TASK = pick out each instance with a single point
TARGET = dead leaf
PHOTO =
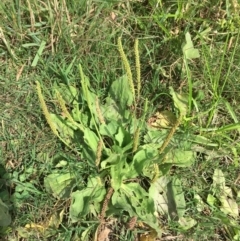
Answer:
(113, 16)
(103, 234)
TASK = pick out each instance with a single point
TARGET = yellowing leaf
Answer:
(150, 236)
(187, 222)
(59, 185)
(218, 179)
(35, 226)
(56, 220)
(229, 206)
(164, 119)
(200, 203)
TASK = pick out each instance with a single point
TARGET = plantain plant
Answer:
(130, 157)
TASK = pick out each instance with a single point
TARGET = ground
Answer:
(189, 47)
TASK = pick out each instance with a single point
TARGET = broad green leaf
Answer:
(122, 203)
(186, 223)
(142, 204)
(142, 157)
(60, 185)
(177, 204)
(237, 235)
(61, 163)
(123, 137)
(180, 157)
(155, 136)
(91, 139)
(158, 192)
(229, 206)
(119, 100)
(94, 193)
(138, 198)
(118, 171)
(5, 217)
(111, 111)
(80, 117)
(109, 129)
(188, 50)
(165, 168)
(180, 101)
(112, 159)
(65, 128)
(121, 93)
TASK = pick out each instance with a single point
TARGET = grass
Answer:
(45, 41)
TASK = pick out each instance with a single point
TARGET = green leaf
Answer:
(120, 96)
(109, 129)
(158, 192)
(5, 217)
(89, 149)
(38, 54)
(180, 158)
(142, 157)
(60, 185)
(122, 203)
(112, 159)
(186, 223)
(65, 128)
(118, 171)
(180, 101)
(155, 137)
(91, 139)
(111, 111)
(188, 50)
(211, 200)
(121, 93)
(94, 193)
(177, 204)
(123, 137)
(142, 204)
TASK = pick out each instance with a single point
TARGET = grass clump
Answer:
(147, 153)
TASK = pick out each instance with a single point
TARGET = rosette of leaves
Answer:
(128, 156)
